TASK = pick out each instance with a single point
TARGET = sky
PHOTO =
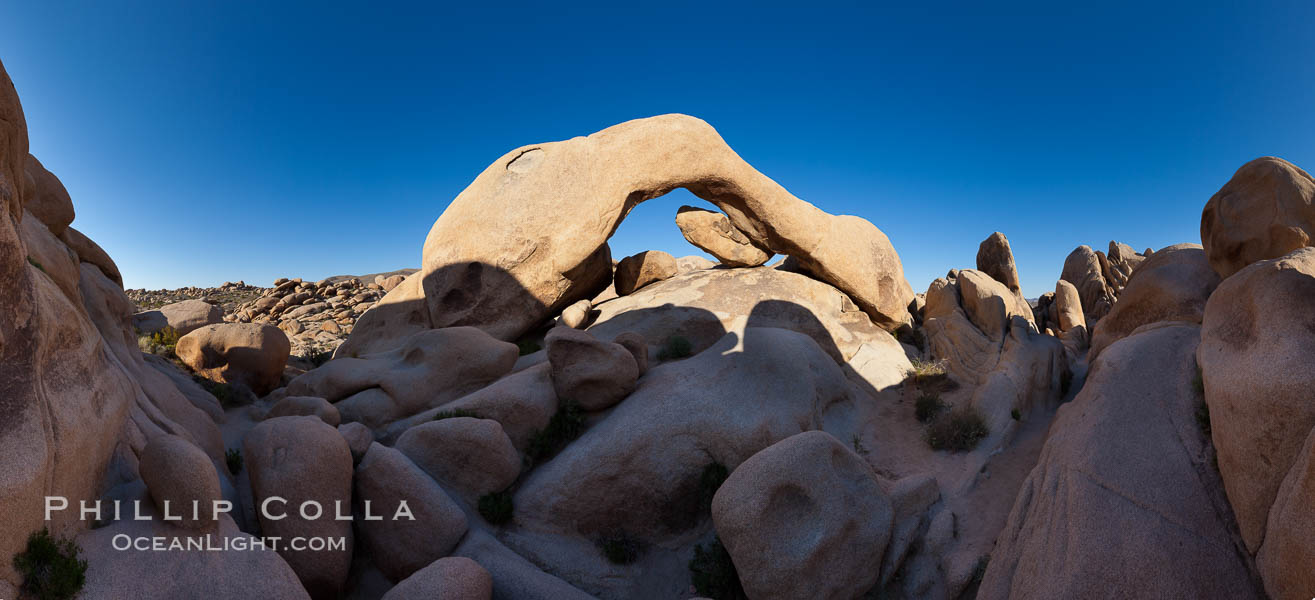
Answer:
(205, 142)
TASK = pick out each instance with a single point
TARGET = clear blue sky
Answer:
(213, 141)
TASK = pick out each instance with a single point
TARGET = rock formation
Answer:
(712, 232)
(1265, 211)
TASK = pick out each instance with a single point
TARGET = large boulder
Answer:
(996, 259)
(471, 455)
(1171, 285)
(639, 270)
(45, 197)
(1286, 557)
(306, 406)
(429, 368)
(1257, 340)
(250, 354)
(1265, 211)
(637, 470)
(293, 461)
(90, 252)
(528, 236)
(989, 304)
(804, 518)
(701, 306)
(522, 402)
(1084, 268)
(181, 477)
(1123, 490)
(185, 317)
(594, 373)
(1122, 260)
(386, 480)
(1068, 306)
(452, 578)
(712, 232)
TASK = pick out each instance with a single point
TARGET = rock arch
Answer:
(541, 216)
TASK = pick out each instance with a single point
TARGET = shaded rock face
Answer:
(1122, 260)
(996, 259)
(179, 473)
(804, 518)
(1085, 269)
(712, 232)
(503, 257)
(471, 455)
(634, 272)
(301, 459)
(452, 578)
(639, 468)
(429, 368)
(399, 547)
(1124, 490)
(1172, 285)
(242, 353)
(701, 306)
(590, 371)
(45, 197)
(1257, 340)
(1285, 558)
(1265, 211)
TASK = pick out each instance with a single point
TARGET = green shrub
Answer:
(957, 430)
(565, 426)
(931, 375)
(713, 574)
(859, 448)
(675, 347)
(620, 548)
(456, 412)
(496, 507)
(233, 457)
(227, 396)
(927, 406)
(51, 568)
(162, 342)
(36, 264)
(1015, 415)
(528, 347)
(317, 359)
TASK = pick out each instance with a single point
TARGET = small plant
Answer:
(620, 548)
(564, 426)
(36, 264)
(456, 412)
(496, 507)
(927, 406)
(528, 347)
(675, 347)
(1203, 417)
(958, 430)
(859, 448)
(317, 359)
(233, 457)
(51, 568)
(1198, 382)
(1015, 415)
(713, 573)
(931, 374)
(226, 394)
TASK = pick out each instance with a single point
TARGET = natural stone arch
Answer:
(529, 235)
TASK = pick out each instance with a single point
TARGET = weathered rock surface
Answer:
(639, 270)
(45, 197)
(1084, 268)
(430, 368)
(452, 578)
(804, 518)
(522, 402)
(590, 371)
(1265, 211)
(996, 259)
(185, 317)
(1122, 260)
(300, 460)
(712, 232)
(577, 315)
(501, 259)
(1257, 340)
(723, 405)
(1287, 554)
(242, 353)
(305, 406)
(386, 479)
(1124, 491)
(467, 454)
(1172, 285)
(180, 474)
